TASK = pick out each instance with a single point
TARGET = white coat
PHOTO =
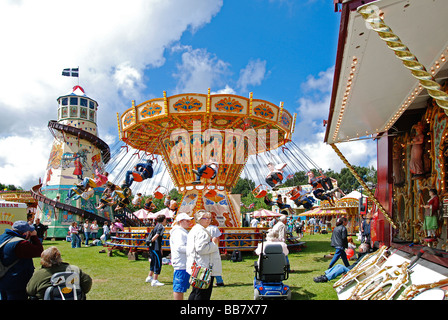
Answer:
(201, 248)
(178, 245)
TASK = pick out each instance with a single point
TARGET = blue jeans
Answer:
(19, 294)
(219, 279)
(340, 253)
(86, 235)
(335, 271)
(129, 178)
(72, 192)
(76, 241)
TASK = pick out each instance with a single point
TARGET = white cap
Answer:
(182, 216)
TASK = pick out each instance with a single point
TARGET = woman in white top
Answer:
(74, 234)
(94, 229)
(203, 249)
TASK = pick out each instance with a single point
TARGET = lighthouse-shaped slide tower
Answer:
(77, 152)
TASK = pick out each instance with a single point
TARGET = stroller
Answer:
(64, 286)
(270, 270)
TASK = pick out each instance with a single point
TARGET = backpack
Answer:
(3, 268)
(236, 256)
(65, 286)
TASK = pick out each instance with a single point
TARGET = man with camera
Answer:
(19, 245)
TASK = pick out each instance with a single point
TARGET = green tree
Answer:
(9, 187)
(299, 178)
(243, 187)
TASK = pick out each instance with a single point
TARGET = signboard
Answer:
(11, 212)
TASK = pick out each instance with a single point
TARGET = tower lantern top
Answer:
(77, 105)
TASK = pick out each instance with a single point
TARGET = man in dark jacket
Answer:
(144, 170)
(339, 242)
(22, 246)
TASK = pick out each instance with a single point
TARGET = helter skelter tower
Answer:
(76, 153)
(187, 130)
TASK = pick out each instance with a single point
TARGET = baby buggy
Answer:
(271, 269)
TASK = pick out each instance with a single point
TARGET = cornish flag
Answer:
(71, 72)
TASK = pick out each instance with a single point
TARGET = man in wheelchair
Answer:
(271, 268)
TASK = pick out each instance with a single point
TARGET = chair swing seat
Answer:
(277, 178)
(208, 173)
(295, 196)
(260, 191)
(159, 194)
(209, 193)
(137, 176)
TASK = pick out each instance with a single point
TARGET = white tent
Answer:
(354, 195)
(142, 214)
(263, 213)
(167, 212)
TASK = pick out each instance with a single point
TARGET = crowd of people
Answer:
(198, 246)
(191, 245)
(85, 232)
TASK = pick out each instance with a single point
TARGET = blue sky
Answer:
(281, 50)
(294, 39)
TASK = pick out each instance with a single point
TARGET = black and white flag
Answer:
(71, 72)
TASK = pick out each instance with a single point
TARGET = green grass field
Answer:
(117, 278)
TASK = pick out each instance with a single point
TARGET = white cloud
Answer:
(112, 43)
(359, 153)
(313, 108)
(252, 74)
(322, 83)
(227, 90)
(23, 160)
(129, 79)
(199, 70)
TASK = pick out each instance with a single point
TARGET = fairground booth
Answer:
(390, 85)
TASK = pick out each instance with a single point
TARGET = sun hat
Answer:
(183, 216)
(22, 226)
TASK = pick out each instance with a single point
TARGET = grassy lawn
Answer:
(117, 278)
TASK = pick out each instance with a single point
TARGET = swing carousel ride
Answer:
(188, 130)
